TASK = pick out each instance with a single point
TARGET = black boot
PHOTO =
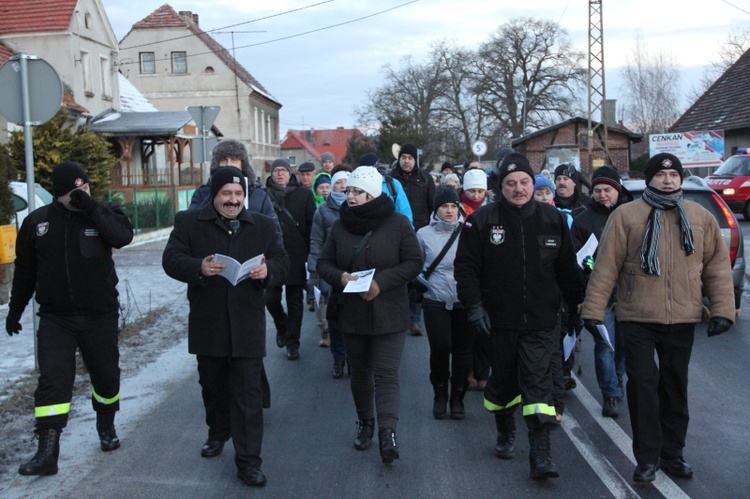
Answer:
(540, 457)
(506, 436)
(458, 411)
(44, 461)
(440, 401)
(105, 426)
(365, 430)
(338, 368)
(388, 445)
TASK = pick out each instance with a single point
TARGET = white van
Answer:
(21, 203)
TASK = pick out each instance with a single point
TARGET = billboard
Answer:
(695, 149)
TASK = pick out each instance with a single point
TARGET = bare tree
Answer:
(528, 75)
(736, 44)
(651, 86)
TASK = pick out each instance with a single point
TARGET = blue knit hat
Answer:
(542, 181)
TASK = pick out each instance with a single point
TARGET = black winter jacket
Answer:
(420, 190)
(295, 225)
(393, 251)
(66, 256)
(515, 261)
(224, 320)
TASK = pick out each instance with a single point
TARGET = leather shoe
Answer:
(212, 448)
(645, 473)
(292, 353)
(677, 467)
(252, 476)
(280, 339)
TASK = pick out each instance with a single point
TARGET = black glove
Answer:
(718, 325)
(479, 320)
(574, 325)
(80, 200)
(13, 323)
(590, 326)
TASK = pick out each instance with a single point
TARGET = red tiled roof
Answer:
(28, 16)
(334, 141)
(5, 53)
(724, 106)
(166, 17)
(293, 141)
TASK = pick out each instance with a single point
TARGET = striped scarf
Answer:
(660, 201)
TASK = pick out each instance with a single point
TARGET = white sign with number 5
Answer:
(479, 147)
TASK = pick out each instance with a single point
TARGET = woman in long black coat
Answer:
(374, 323)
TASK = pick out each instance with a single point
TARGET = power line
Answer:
(284, 37)
(738, 8)
(233, 25)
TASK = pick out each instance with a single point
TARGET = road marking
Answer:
(663, 483)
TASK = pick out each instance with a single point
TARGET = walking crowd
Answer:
(489, 262)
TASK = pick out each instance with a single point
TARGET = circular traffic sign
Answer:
(45, 90)
(479, 148)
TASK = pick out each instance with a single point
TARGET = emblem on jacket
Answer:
(42, 228)
(497, 235)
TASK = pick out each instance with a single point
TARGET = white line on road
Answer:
(663, 483)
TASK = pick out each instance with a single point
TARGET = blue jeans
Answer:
(609, 364)
(415, 312)
(338, 348)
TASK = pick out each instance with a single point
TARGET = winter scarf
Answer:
(362, 219)
(469, 205)
(660, 201)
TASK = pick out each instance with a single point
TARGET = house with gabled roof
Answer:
(567, 142)
(308, 145)
(724, 106)
(175, 64)
(75, 37)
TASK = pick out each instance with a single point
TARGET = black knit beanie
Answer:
(662, 161)
(445, 194)
(226, 175)
(67, 176)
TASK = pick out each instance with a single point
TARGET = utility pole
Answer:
(597, 132)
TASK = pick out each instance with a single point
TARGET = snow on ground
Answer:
(149, 365)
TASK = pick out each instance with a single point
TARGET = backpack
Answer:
(389, 183)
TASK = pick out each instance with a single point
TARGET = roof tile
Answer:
(29, 16)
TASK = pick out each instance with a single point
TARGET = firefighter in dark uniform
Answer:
(64, 253)
(514, 256)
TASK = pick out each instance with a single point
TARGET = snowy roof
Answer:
(131, 99)
(142, 123)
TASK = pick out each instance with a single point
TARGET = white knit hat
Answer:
(367, 178)
(341, 174)
(475, 179)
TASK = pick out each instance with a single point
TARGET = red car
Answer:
(732, 182)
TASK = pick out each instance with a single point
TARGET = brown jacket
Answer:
(673, 297)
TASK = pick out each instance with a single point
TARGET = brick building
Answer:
(567, 142)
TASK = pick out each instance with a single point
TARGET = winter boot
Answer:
(105, 426)
(458, 411)
(365, 430)
(540, 457)
(325, 341)
(388, 445)
(44, 461)
(506, 436)
(440, 401)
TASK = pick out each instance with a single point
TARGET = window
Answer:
(179, 62)
(293, 160)
(148, 63)
(106, 75)
(86, 67)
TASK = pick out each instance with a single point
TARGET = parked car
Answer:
(696, 189)
(21, 199)
(732, 182)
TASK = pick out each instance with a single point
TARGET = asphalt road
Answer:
(309, 430)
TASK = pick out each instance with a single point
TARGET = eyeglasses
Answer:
(353, 190)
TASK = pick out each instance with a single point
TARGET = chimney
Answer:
(189, 17)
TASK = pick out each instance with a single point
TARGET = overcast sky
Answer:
(321, 77)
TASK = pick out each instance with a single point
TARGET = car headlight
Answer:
(728, 192)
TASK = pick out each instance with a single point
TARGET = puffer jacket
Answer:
(674, 297)
(325, 215)
(432, 239)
